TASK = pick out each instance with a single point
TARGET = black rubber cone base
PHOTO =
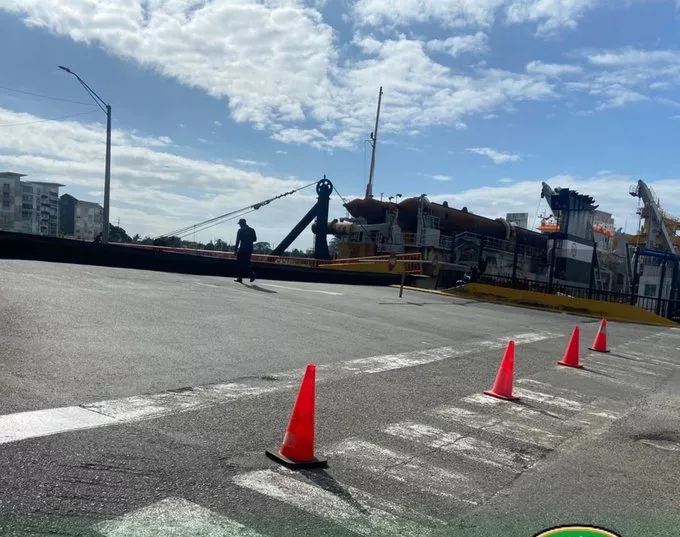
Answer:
(595, 350)
(295, 465)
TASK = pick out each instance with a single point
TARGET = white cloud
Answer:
(202, 140)
(610, 193)
(246, 162)
(498, 157)
(217, 123)
(153, 191)
(552, 69)
(675, 118)
(281, 68)
(453, 13)
(281, 152)
(440, 177)
(551, 15)
(628, 57)
(459, 44)
(270, 58)
(506, 180)
(620, 77)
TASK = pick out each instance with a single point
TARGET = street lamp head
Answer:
(65, 69)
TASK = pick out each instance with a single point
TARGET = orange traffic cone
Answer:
(600, 343)
(571, 355)
(297, 450)
(502, 388)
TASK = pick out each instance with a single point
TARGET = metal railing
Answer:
(411, 260)
(412, 263)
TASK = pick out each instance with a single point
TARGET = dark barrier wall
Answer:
(57, 250)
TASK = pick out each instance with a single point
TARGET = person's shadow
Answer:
(258, 288)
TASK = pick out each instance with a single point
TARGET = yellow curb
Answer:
(430, 291)
(561, 304)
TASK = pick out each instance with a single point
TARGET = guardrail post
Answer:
(403, 278)
(593, 260)
(514, 262)
(552, 266)
(658, 298)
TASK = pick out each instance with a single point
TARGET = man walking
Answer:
(245, 238)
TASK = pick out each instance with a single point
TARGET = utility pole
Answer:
(374, 142)
(106, 108)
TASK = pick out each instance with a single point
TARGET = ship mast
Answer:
(374, 141)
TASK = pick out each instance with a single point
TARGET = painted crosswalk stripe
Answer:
(346, 506)
(465, 446)
(552, 389)
(625, 368)
(23, 425)
(407, 469)
(380, 364)
(593, 413)
(173, 517)
(508, 428)
(551, 400)
(509, 408)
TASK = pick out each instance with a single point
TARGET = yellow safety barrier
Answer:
(579, 306)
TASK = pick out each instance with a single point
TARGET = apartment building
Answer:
(28, 206)
(78, 219)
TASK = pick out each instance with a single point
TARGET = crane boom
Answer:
(643, 192)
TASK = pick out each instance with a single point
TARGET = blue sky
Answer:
(224, 103)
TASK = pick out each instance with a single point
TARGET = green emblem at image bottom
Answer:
(577, 531)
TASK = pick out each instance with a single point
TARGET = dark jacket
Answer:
(245, 238)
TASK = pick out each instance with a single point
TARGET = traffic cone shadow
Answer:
(502, 387)
(297, 449)
(571, 355)
(600, 342)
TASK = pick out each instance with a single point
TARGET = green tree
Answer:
(262, 248)
(174, 242)
(118, 234)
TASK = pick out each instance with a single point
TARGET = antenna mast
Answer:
(374, 141)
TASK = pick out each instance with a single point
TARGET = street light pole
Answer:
(107, 177)
(106, 108)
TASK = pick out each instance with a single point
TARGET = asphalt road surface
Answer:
(136, 403)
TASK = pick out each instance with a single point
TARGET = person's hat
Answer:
(242, 221)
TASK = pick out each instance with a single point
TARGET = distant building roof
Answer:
(48, 183)
(12, 175)
(92, 203)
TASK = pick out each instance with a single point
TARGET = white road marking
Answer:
(590, 414)
(331, 293)
(622, 367)
(23, 425)
(550, 400)
(173, 517)
(406, 469)
(466, 446)
(379, 364)
(495, 425)
(554, 390)
(346, 506)
(144, 407)
(666, 446)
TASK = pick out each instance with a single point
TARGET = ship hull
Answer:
(58, 250)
